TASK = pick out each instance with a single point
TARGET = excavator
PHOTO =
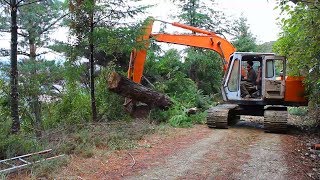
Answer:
(275, 92)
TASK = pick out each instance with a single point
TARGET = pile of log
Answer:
(137, 92)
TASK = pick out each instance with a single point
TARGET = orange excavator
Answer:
(270, 97)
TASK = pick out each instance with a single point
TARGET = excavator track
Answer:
(219, 116)
(275, 121)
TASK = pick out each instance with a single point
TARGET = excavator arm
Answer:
(202, 39)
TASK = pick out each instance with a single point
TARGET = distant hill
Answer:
(265, 47)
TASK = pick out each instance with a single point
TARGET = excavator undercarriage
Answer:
(223, 115)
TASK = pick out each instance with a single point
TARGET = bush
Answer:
(184, 93)
(15, 145)
(298, 111)
(73, 108)
(109, 104)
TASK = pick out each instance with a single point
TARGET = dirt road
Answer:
(240, 152)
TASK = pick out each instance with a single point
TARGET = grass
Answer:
(45, 169)
(88, 140)
(84, 140)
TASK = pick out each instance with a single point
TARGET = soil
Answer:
(243, 151)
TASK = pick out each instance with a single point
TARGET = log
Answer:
(129, 89)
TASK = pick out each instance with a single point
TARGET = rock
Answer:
(313, 156)
(309, 174)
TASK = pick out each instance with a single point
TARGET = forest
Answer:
(65, 104)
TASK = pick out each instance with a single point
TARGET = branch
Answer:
(42, 53)
(28, 3)
(21, 34)
(4, 52)
(53, 23)
(23, 53)
(19, 2)
(133, 163)
(7, 2)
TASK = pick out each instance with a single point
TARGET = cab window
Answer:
(233, 82)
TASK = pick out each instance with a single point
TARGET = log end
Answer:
(113, 80)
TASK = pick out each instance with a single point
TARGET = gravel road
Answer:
(243, 151)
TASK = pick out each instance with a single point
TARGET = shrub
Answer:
(109, 104)
(298, 111)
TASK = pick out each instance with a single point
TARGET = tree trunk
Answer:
(15, 127)
(35, 102)
(92, 88)
(127, 88)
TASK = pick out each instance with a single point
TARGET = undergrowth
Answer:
(184, 94)
(298, 111)
(86, 140)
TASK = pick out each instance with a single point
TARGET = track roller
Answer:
(275, 121)
(219, 116)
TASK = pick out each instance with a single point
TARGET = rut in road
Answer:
(183, 160)
(234, 153)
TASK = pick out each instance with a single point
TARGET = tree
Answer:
(35, 21)
(300, 42)
(244, 41)
(203, 66)
(13, 6)
(86, 10)
(200, 13)
(88, 18)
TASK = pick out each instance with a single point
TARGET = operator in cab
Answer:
(248, 83)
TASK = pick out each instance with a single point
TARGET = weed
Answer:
(47, 168)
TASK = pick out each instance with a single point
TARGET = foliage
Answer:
(265, 47)
(110, 105)
(200, 13)
(204, 68)
(17, 144)
(167, 73)
(299, 111)
(45, 169)
(300, 43)
(244, 41)
(74, 104)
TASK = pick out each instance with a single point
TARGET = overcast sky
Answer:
(260, 14)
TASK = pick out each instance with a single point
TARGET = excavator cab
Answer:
(269, 85)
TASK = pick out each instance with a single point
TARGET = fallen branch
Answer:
(134, 162)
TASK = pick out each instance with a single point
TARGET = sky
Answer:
(260, 14)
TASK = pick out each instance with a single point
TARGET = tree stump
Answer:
(129, 89)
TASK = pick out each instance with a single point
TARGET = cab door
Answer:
(231, 84)
(273, 85)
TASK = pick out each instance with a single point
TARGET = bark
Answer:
(35, 102)
(15, 127)
(127, 88)
(92, 88)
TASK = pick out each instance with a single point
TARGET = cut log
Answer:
(129, 89)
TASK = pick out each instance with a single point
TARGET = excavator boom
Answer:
(204, 39)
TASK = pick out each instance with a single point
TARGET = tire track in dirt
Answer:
(267, 159)
(218, 156)
(183, 160)
(224, 159)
